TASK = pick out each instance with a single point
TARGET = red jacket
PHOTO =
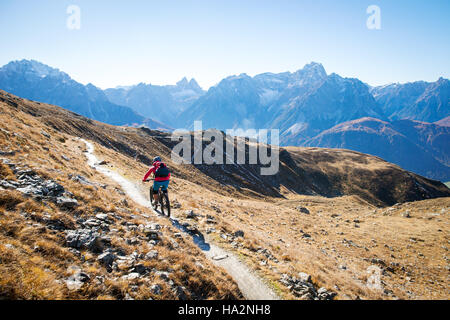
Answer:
(152, 170)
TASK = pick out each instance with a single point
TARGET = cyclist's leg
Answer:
(155, 190)
(164, 185)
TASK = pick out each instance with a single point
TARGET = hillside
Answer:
(314, 171)
(420, 100)
(303, 105)
(395, 142)
(67, 232)
(326, 214)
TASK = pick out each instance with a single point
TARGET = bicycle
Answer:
(163, 199)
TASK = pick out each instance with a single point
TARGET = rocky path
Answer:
(251, 286)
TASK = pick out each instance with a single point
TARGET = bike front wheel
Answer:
(152, 200)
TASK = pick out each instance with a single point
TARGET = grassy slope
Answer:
(344, 231)
(34, 260)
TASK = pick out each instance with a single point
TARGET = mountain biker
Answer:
(162, 176)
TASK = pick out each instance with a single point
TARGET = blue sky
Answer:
(159, 42)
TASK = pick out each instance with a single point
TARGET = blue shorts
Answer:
(160, 184)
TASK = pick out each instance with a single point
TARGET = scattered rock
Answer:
(163, 275)
(76, 281)
(106, 259)
(239, 233)
(7, 153)
(303, 287)
(190, 214)
(102, 216)
(175, 244)
(153, 254)
(156, 289)
(303, 210)
(150, 231)
(131, 276)
(220, 257)
(66, 203)
(140, 269)
(378, 261)
(55, 224)
(304, 277)
(86, 238)
(180, 293)
(175, 204)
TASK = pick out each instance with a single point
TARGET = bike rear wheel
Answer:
(165, 203)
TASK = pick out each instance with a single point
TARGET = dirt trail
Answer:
(251, 286)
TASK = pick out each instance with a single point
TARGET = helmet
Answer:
(155, 159)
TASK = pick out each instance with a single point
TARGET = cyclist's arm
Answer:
(149, 172)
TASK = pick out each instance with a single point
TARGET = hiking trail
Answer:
(250, 284)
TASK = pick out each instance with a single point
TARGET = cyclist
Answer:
(162, 176)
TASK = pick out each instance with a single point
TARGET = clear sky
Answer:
(159, 42)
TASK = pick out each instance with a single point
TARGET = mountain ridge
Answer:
(301, 104)
(36, 81)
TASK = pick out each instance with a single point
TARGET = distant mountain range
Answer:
(421, 147)
(404, 123)
(162, 103)
(36, 81)
(300, 104)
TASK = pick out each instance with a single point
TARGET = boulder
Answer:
(156, 289)
(66, 203)
(239, 233)
(106, 259)
(102, 216)
(303, 210)
(190, 214)
(304, 277)
(85, 238)
(153, 254)
(76, 281)
(131, 276)
(53, 189)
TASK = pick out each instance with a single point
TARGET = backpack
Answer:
(162, 171)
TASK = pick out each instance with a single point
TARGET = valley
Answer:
(405, 123)
(312, 232)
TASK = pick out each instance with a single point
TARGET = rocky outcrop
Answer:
(302, 286)
(31, 184)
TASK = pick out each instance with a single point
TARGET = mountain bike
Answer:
(163, 200)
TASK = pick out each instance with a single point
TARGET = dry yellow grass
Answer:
(34, 259)
(347, 234)
(278, 226)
